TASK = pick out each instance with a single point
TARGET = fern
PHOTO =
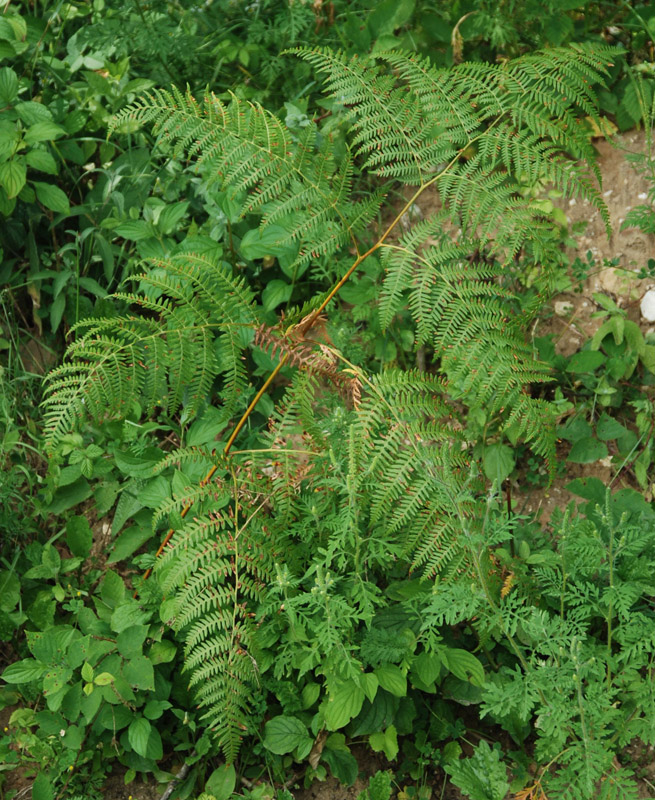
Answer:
(388, 479)
(161, 360)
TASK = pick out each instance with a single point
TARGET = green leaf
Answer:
(24, 671)
(8, 86)
(129, 542)
(427, 667)
(139, 673)
(587, 450)
(585, 361)
(126, 615)
(276, 293)
(112, 589)
(41, 160)
(42, 788)
(12, 177)
(131, 641)
(79, 536)
(343, 704)
(498, 461)
(464, 665)
(162, 652)
(9, 590)
(272, 240)
(44, 131)
(222, 782)
(482, 776)
(87, 671)
(135, 230)
(392, 679)
(52, 197)
(343, 765)
(608, 428)
(386, 742)
(284, 734)
(138, 734)
(104, 679)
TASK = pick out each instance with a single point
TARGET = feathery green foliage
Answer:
(371, 483)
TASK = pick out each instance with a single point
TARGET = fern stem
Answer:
(226, 451)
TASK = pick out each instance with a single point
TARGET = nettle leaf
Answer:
(284, 734)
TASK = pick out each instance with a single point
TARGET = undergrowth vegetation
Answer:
(261, 521)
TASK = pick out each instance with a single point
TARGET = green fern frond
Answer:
(164, 360)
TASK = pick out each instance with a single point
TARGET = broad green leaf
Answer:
(104, 679)
(587, 450)
(283, 734)
(9, 590)
(498, 461)
(112, 589)
(343, 765)
(135, 230)
(162, 652)
(464, 665)
(222, 782)
(342, 705)
(42, 788)
(608, 428)
(44, 131)
(386, 742)
(131, 641)
(24, 671)
(272, 240)
(129, 542)
(139, 672)
(79, 536)
(276, 293)
(52, 197)
(427, 667)
(12, 177)
(138, 734)
(585, 361)
(392, 679)
(8, 86)
(41, 160)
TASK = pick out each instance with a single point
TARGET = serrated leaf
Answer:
(24, 671)
(283, 734)
(392, 679)
(138, 734)
(52, 197)
(464, 665)
(343, 704)
(12, 177)
(8, 86)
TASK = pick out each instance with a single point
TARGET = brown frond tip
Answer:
(316, 358)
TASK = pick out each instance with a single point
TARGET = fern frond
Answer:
(166, 360)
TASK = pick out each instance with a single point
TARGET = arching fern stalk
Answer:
(393, 480)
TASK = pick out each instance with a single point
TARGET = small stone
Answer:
(648, 305)
(563, 308)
